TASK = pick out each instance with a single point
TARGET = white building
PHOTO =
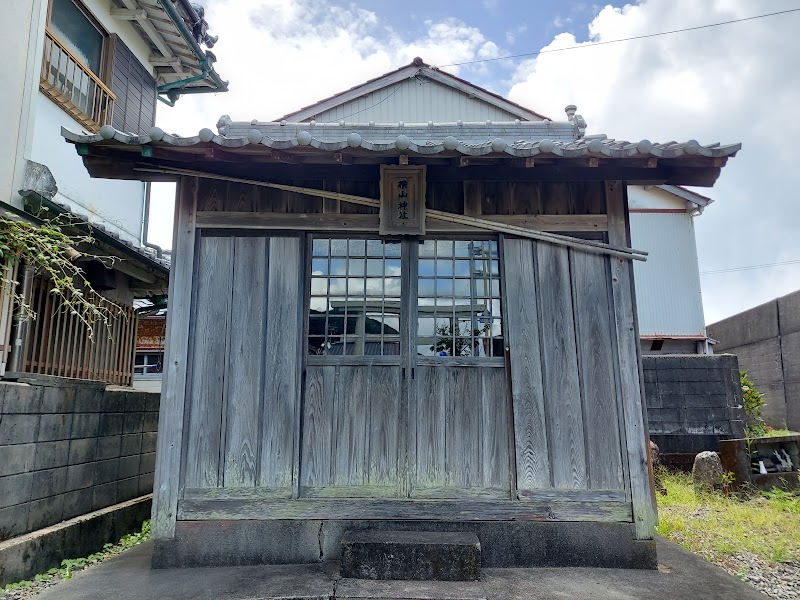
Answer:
(80, 65)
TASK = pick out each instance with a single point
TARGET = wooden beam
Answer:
(332, 221)
(389, 509)
(125, 14)
(552, 238)
(630, 386)
(343, 159)
(166, 486)
(403, 159)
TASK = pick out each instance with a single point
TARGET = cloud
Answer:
(734, 83)
(281, 55)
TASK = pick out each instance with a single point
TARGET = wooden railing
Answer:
(57, 343)
(73, 86)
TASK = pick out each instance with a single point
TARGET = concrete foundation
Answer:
(503, 543)
(27, 555)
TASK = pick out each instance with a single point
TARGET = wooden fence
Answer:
(58, 343)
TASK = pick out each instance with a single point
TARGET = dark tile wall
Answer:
(693, 401)
(69, 448)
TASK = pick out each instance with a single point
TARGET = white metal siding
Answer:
(668, 297)
(415, 101)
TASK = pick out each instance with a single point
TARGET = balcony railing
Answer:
(74, 87)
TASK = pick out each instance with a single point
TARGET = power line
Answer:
(752, 267)
(628, 39)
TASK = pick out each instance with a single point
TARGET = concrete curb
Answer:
(36, 552)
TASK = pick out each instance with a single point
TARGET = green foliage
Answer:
(51, 251)
(715, 524)
(753, 404)
(69, 566)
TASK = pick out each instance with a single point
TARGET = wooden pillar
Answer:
(630, 363)
(171, 415)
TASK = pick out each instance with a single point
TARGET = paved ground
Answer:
(129, 577)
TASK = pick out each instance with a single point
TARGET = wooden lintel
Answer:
(594, 162)
(284, 157)
(652, 162)
(404, 159)
(530, 163)
(369, 222)
(463, 161)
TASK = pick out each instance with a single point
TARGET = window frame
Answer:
(105, 51)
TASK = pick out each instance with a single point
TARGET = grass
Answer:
(716, 525)
(71, 565)
(777, 433)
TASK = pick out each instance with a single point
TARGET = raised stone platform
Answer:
(411, 555)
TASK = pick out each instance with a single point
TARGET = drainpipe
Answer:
(206, 60)
(20, 321)
(146, 222)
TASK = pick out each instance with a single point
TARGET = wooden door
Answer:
(458, 407)
(353, 395)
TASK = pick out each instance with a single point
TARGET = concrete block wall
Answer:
(693, 401)
(68, 448)
(767, 341)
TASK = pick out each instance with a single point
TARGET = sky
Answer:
(733, 83)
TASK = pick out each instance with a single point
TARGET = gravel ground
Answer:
(779, 580)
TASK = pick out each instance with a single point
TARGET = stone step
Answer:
(411, 555)
(361, 589)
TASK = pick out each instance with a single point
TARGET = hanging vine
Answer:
(50, 249)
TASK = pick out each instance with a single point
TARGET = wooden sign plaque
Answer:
(402, 200)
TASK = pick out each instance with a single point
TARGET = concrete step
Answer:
(411, 555)
(361, 589)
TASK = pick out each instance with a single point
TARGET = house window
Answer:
(458, 289)
(74, 63)
(355, 297)
(148, 363)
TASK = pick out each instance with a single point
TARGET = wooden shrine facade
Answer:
(483, 375)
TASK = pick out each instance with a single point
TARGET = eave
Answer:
(113, 154)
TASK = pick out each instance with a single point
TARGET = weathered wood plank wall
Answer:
(568, 322)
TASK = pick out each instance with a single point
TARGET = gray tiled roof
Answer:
(516, 139)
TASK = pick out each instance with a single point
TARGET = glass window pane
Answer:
(319, 266)
(427, 249)
(374, 248)
(392, 249)
(321, 247)
(444, 268)
(375, 266)
(357, 247)
(444, 248)
(462, 287)
(319, 286)
(338, 247)
(463, 249)
(426, 287)
(356, 266)
(77, 33)
(392, 267)
(462, 268)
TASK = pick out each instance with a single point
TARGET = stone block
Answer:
(15, 489)
(18, 429)
(149, 441)
(152, 402)
(789, 313)
(751, 326)
(76, 503)
(85, 425)
(411, 555)
(50, 455)
(106, 471)
(80, 476)
(58, 399)
(104, 495)
(150, 422)
(127, 489)
(53, 427)
(129, 466)
(20, 398)
(108, 447)
(17, 459)
(147, 463)
(89, 398)
(111, 423)
(131, 444)
(82, 450)
(146, 484)
(45, 512)
(49, 482)
(133, 422)
(13, 521)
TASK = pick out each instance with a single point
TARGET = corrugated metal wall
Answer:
(415, 101)
(668, 295)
